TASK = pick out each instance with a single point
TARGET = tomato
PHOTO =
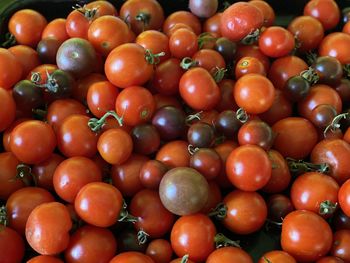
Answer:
(131, 257)
(254, 93)
(72, 174)
(252, 51)
(126, 177)
(183, 43)
(22, 202)
(44, 259)
(127, 65)
(344, 197)
(142, 15)
(326, 11)
(83, 84)
(160, 250)
(229, 254)
(198, 89)
(341, 245)
(306, 236)
(267, 10)
(240, 20)
(91, 244)
(277, 256)
(32, 141)
(214, 197)
(78, 22)
(248, 65)
(330, 259)
(56, 28)
(27, 56)
(107, 32)
(102, 7)
(27, 26)
(212, 24)
(335, 45)
(75, 138)
(246, 212)
(11, 69)
(99, 204)
(295, 137)
(8, 110)
(276, 41)
(310, 190)
(41, 73)
(308, 32)
(148, 208)
(47, 228)
(209, 59)
(184, 17)
(346, 28)
(13, 244)
(248, 167)
(193, 235)
(174, 154)
(336, 154)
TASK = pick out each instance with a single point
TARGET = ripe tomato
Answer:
(131, 257)
(148, 208)
(91, 244)
(72, 174)
(212, 24)
(193, 235)
(336, 45)
(248, 65)
(32, 141)
(252, 51)
(99, 204)
(44, 259)
(27, 56)
(344, 197)
(183, 43)
(267, 10)
(160, 250)
(277, 256)
(27, 26)
(11, 69)
(115, 146)
(127, 65)
(174, 154)
(276, 42)
(183, 17)
(330, 259)
(254, 93)
(248, 167)
(240, 20)
(8, 110)
(228, 255)
(246, 212)
(83, 84)
(47, 228)
(198, 89)
(306, 236)
(13, 244)
(156, 42)
(21, 203)
(56, 29)
(295, 137)
(75, 138)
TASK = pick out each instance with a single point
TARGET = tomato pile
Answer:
(133, 136)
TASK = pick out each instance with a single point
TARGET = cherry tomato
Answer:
(56, 28)
(156, 42)
(267, 10)
(183, 43)
(277, 256)
(344, 197)
(209, 59)
(47, 228)
(252, 51)
(335, 45)
(11, 69)
(330, 259)
(212, 24)
(44, 259)
(193, 235)
(13, 244)
(229, 254)
(306, 236)
(174, 154)
(249, 65)
(184, 17)
(83, 84)
(131, 257)
(27, 56)
(326, 11)
(8, 110)
(160, 250)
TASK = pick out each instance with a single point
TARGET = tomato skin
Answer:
(249, 65)
(277, 256)
(131, 257)
(198, 89)
(246, 212)
(32, 141)
(330, 259)
(306, 236)
(10, 69)
(246, 174)
(336, 45)
(267, 10)
(183, 17)
(8, 109)
(91, 244)
(193, 235)
(341, 245)
(344, 197)
(27, 56)
(228, 255)
(183, 43)
(56, 29)
(239, 20)
(13, 244)
(21, 203)
(47, 228)
(44, 259)
(160, 250)
(254, 93)
(27, 25)
(174, 154)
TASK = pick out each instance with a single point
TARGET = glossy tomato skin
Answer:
(47, 228)
(254, 93)
(91, 244)
(198, 89)
(344, 197)
(10, 68)
(22, 202)
(131, 257)
(277, 256)
(27, 56)
(306, 236)
(239, 20)
(56, 28)
(246, 212)
(193, 235)
(183, 43)
(44, 259)
(228, 255)
(330, 259)
(248, 167)
(126, 66)
(341, 245)
(8, 110)
(160, 250)
(13, 244)
(336, 45)
(33, 141)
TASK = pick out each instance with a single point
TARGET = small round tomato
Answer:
(193, 235)
(209, 59)
(212, 24)
(336, 45)
(344, 197)
(156, 42)
(99, 204)
(277, 256)
(27, 26)
(131, 257)
(174, 154)
(228, 255)
(252, 51)
(306, 236)
(8, 109)
(254, 93)
(11, 69)
(183, 17)
(44, 259)
(341, 245)
(47, 228)
(183, 43)
(13, 244)
(160, 250)
(56, 29)
(32, 141)
(249, 65)
(27, 56)
(267, 10)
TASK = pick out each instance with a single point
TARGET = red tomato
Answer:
(248, 65)
(252, 51)
(27, 56)
(160, 250)
(183, 43)
(8, 109)
(277, 256)
(184, 17)
(174, 154)
(267, 10)
(212, 24)
(44, 259)
(131, 257)
(47, 228)
(13, 244)
(336, 45)
(193, 235)
(240, 20)
(228, 255)
(11, 69)
(341, 245)
(156, 42)
(306, 236)
(344, 197)
(56, 29)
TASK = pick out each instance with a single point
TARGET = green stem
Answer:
(184, 259)
(187, 63)
(219, 212)
(300, 166)
(222, 241)
(144, 18)
(327, 207)
(192, 117)
(125, 216)
(97, 124)
(310, 75)
(89, 14)
(266, 260)
(153, 59)
(251, 38)
(24, 173)
(191, 149)
(35, 78)
(242, 115)
(142, 237)
(204, 38)
(335, 125)
(219, 74)
(3, 216)
(10, 40)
